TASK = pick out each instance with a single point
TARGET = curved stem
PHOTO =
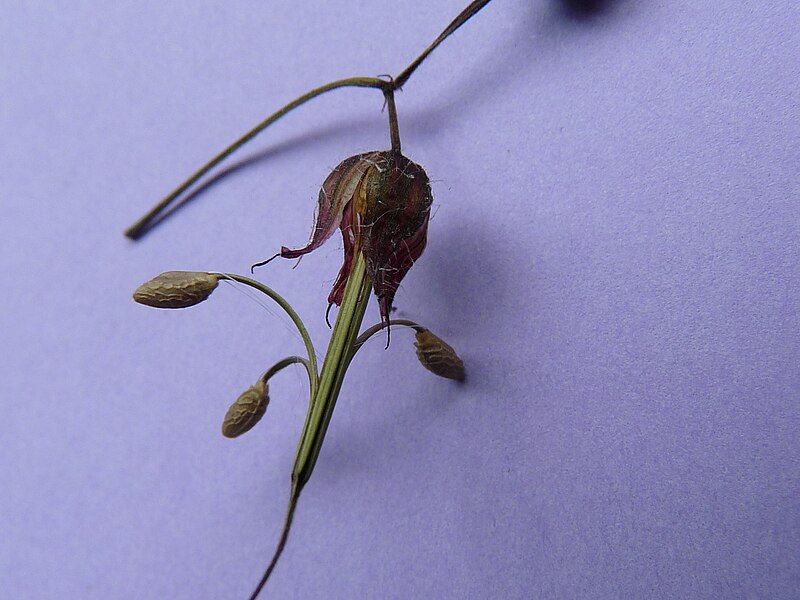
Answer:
(312, 357)
(136, 230)
(348, 322)
(368, 333)
(288, 361)
(464, 16)
(287, 525)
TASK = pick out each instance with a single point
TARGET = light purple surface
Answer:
(614, 252)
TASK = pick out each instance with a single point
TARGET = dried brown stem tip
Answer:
(246, 411)
(176, 289)
(438, 357)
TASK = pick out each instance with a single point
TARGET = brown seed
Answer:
(176, 289)
(246, 411)
(438, 357)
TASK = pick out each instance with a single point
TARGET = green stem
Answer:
(288, 361)
(368, 333)
(281, 301)
(136, 230)
(345, 331)
(337, 359)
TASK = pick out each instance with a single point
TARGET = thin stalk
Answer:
(136, 230)
(464, 16)
(394, 128)
(368, 333)
(288, 361)
(379, 326)
(348, 322)
(298, 322)
(287, 525)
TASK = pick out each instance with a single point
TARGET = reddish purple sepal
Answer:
(336, 192)
(381, 203)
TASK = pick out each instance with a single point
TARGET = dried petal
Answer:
(246, 411)
(438, 357)
(176, 289)
(335, 195)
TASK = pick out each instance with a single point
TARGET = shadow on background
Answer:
(585, 9)
(466, 283)
(293, 144)
(453, 290)
(457, 279)
(535, 39)
(475, 91)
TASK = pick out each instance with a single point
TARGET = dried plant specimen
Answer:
(380, 202)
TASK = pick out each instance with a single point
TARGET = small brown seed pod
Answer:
(246, 411)
(438, 357)
(176, 289)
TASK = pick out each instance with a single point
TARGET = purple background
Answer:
(614, 252)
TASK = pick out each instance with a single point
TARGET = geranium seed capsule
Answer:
(246, 411)
(176, 289)
(438, 357)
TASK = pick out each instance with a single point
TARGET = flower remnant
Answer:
(381, 203)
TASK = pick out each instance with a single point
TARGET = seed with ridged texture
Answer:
(246, 411)
(176, 289)
(438, 357)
